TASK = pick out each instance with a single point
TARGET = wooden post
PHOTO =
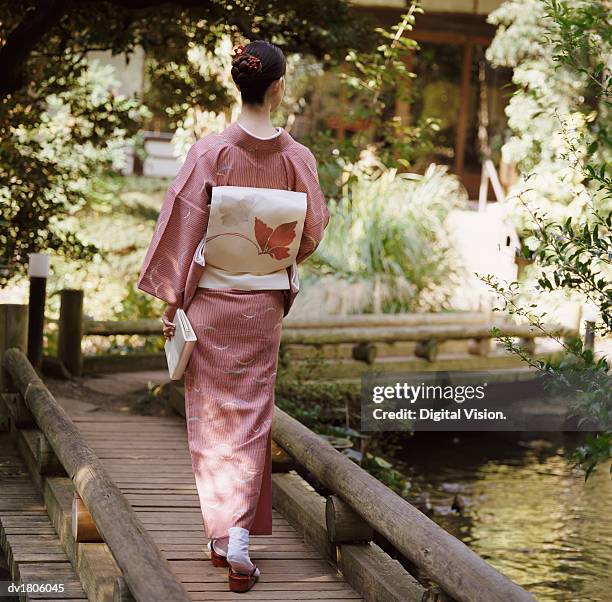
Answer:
(13, 333)
(376, 576)
(121, 592)
(71, 330)
(281, 460)
(344, 525)
(479, 346)
(17, 410)
(462, 122)
(427, 350)
(83, 526)
(47, 461)
(36, 320)
(365, 352)
(38, 270)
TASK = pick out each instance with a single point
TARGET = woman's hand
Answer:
(167, 317)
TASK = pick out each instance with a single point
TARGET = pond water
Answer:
(522, 507)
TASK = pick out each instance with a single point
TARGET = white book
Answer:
(180, 346)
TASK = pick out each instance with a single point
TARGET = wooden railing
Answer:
(364, 333)
(459, 571)
(147, 573)
(153, 326)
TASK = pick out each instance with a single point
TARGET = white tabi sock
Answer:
(219, 544)
(238, 551)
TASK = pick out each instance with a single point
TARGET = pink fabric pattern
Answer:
(230, 378)
(229, 401)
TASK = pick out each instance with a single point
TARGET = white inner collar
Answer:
(278, 131)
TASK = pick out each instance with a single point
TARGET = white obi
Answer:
(253, 236)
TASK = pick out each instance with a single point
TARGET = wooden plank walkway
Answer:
(27, 537)
(148, 459)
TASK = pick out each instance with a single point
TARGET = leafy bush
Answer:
(49, 152)
(564, 54)
(386, 247)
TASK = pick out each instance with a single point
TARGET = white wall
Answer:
(128, 70)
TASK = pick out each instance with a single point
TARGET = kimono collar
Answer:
(235, 134)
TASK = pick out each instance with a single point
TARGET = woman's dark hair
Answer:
(253, 76)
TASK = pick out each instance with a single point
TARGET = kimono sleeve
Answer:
(317, 214)
(181, 224)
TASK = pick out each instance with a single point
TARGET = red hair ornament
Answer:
(252, 62)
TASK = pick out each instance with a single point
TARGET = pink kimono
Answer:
(230, 378)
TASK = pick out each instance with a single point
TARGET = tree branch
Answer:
(38, 20)
(23, 39)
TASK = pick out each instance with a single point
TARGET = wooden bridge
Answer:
(105, 503)
(344, 347)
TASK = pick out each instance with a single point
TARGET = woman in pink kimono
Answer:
(244, 210)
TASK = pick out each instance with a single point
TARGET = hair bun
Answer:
(247, 63)
(254, 67)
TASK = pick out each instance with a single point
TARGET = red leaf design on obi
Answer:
(279, 252)
(274, 242)
(262, 233)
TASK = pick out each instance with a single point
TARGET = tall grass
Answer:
(386, 248)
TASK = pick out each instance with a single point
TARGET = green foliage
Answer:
(386, 247)
(374, 79)
(64, 30)
(329, 409)
(315, 403)
(370, 77)
(135, 305)
(49, 152)
(387, 237)
(596, 450)
(371, 74)
(580, 256)
(558, 116)
(60, 123)
(384, 471)
(582, 40)
(117, 217)
(571, 44)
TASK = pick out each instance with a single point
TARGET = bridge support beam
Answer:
(146, 571)
(344, 525)
(83, 525)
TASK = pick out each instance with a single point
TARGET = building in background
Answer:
(450, 86)
(453, 81)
